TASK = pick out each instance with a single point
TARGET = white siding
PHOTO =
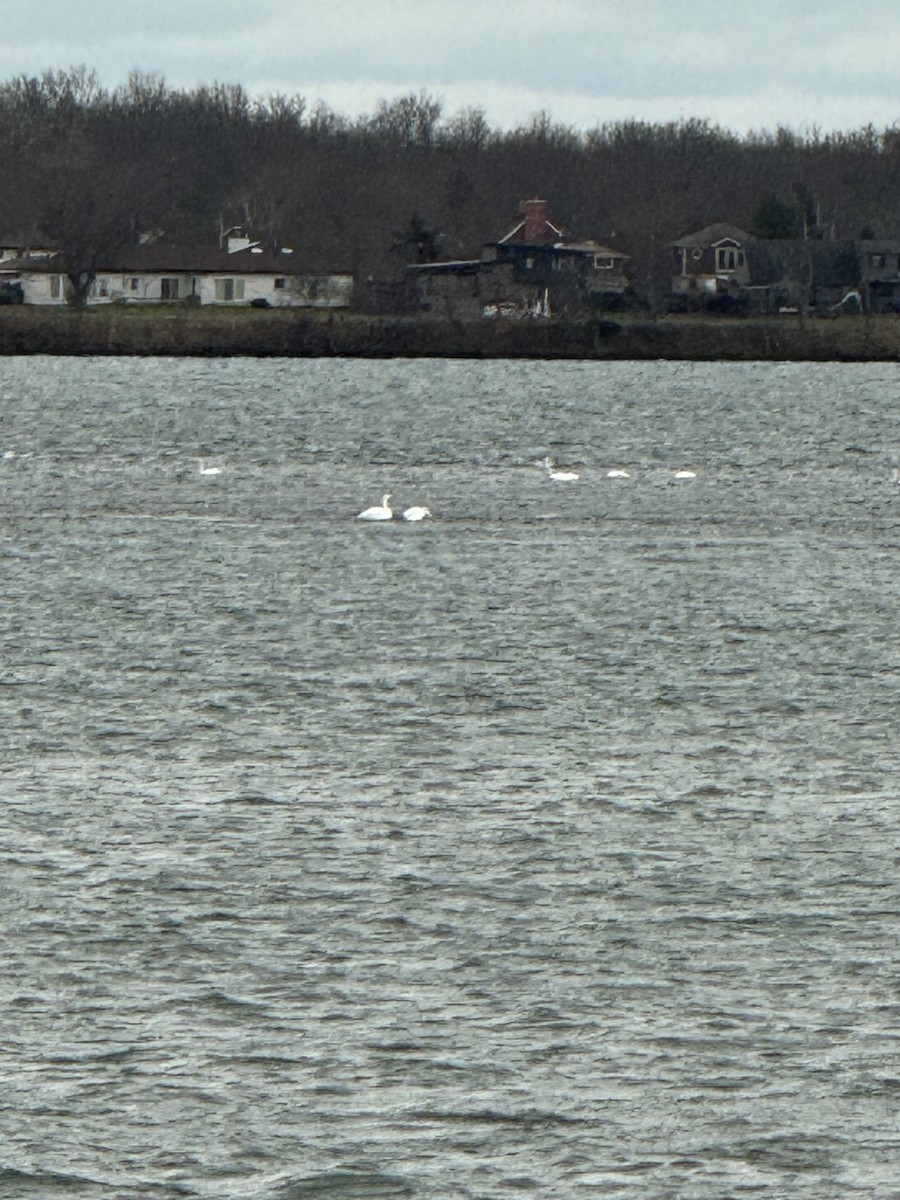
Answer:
(281, 291)
(138, 287)
(38, 287)
(237, 289)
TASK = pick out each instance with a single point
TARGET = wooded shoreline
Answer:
(220, 333)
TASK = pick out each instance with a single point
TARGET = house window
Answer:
(279, 283)
(877, 260)
(603, 262)
(529, 263)
(168, 287)
(55, 287)
(229, 289)
(134, 283)
(102, 287)
(726, 258)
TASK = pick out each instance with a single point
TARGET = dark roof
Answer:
(710, 234)
(589, 246)
(159, 257)
(558, 248)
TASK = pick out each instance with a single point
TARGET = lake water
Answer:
(545, 848)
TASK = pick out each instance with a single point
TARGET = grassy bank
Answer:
(217, 332)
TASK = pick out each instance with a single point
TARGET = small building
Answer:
(459, 288)
(711, 262)
(567, 269)
(472, 288)
(533, 270)
(723, 268)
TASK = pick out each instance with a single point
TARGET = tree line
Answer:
(93, 168)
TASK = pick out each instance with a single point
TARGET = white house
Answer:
(238, 275)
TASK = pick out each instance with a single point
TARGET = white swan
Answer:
(559, 476)
(615, 473)
(205, 470)
(685, 474)
(416, 513)
(378, 512)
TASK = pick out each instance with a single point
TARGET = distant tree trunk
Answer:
(81, 282)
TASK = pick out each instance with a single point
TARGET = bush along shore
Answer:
(214, 333)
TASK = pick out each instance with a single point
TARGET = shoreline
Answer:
(292, 333)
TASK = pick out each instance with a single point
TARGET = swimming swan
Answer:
(416, 513)
(559, 476)
(378, 512)
(204, 470)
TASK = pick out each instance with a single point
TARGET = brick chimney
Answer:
(536, 228)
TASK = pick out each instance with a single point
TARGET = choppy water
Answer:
(545, 849)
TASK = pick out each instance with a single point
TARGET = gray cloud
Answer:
(582, 60)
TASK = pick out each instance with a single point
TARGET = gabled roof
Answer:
(511, 236)
(712, 234)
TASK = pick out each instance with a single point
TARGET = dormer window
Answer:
(729, 258)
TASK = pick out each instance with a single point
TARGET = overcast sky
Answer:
(743, 65)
